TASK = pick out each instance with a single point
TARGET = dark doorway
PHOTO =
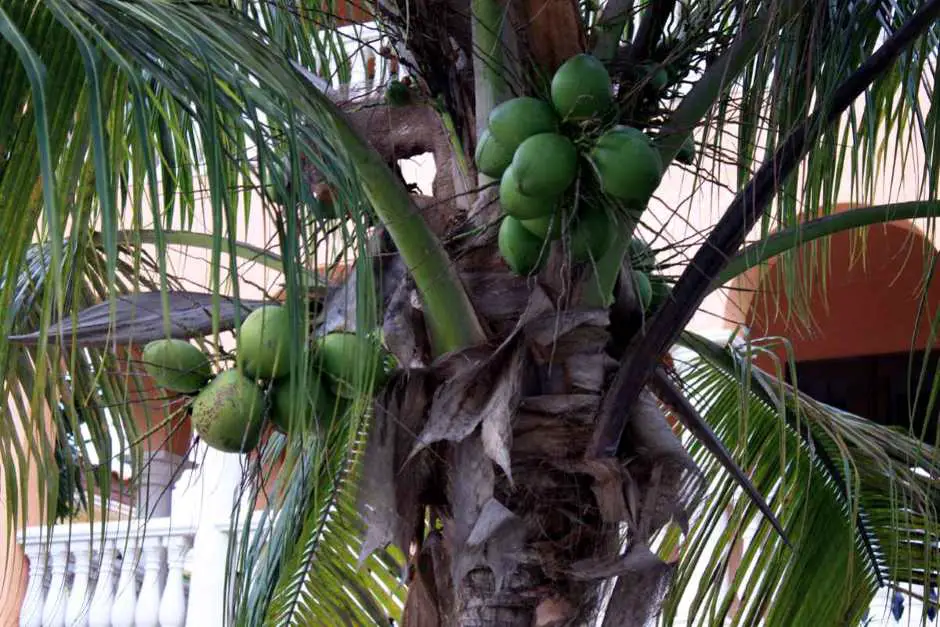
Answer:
(881, 388)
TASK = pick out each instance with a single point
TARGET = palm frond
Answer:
(82, 391)
(744, 75)
(857, 500)
(166, 117)
(317, 539)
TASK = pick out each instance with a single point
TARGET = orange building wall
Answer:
(868, 305)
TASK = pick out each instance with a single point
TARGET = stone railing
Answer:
(120, 574)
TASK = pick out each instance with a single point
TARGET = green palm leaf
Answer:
(78, 388)
(318, 579)
(855, 497)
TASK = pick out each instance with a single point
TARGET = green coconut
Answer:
(176, 365)
(581, 88)
(519, 205)
(523, 251)
(516, 120)
(314, 401)
(686, 152)
(627, 164)
(546, 227)
(661, 291)
(492, 158)
(591, 235)
(657, 78)
(642, 288)
(228, 413)
(264, 341)
(545, 165)
(397, 94)
(641, 255)
(353, 362)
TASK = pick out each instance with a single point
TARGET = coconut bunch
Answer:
(229, 410)
(565, 169)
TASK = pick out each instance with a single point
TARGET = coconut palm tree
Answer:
(533, 457)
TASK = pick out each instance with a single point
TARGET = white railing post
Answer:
(125, 598)
(155, 484)
(148, 601)
(31, 610)
(99, 612)
(221, 475)
(173, 605)
(53, 611)
(76, 612)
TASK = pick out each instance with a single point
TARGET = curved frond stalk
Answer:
(452, 319)
(243, 250)
(780, 242)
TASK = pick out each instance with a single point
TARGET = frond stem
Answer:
(759, 252)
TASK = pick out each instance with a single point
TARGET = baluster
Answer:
(99, 612)
(76, 612)
(125, 599)
(173, 605)
(31, 609)
(53, 611)
(148, 602)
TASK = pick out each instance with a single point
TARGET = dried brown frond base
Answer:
(477, 464)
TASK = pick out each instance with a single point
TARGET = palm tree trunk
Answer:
(478, 462)
(478, 459)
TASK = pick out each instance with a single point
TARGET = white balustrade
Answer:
(73, 568)
(125, 599)
(99, 613)
(76, 612)
(173, 604)
(53, 611)
(31, 610)
(148, 601)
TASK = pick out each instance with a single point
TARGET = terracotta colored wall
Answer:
(870, 304)
(12, 582)
(352, 11)
(152, 406)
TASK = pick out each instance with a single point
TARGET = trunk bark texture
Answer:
(478, 464)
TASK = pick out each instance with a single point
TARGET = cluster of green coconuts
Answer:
(229, 410)
(564, 167)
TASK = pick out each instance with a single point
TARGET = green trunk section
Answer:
(489, 69)
(452, 321)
